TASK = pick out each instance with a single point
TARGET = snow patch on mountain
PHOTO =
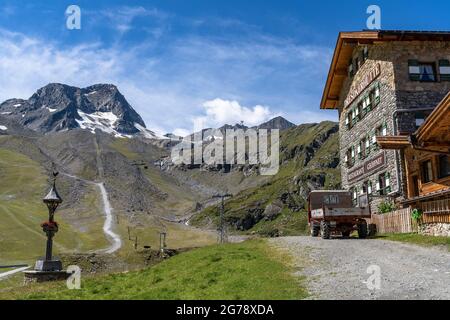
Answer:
(3, 128)
(103, 121)
(146, 133)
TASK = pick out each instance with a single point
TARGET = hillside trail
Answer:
(114, 238)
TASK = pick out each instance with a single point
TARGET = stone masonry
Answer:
(397, 94)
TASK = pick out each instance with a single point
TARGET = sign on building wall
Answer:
(355, 91)
(369, 167)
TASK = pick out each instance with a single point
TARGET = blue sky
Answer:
(179, 61)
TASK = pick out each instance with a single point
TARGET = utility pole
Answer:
(222, 237)
(162, 241)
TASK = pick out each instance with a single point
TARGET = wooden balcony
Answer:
(436, 211)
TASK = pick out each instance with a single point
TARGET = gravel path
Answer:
(337, 269)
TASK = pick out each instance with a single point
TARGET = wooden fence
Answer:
(399, 221)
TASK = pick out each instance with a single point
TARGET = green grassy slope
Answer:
(23, 183)
(247, 270)
(308, 160)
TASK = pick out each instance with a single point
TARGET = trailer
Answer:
(333, 213)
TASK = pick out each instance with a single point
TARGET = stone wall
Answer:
(435, 229)
(396, 92)
(381, 113)
(414, 94)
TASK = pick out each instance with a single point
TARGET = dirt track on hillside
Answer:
(337, 269)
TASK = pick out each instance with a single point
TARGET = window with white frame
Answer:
(422, 71)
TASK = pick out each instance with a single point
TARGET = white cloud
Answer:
(122, 18)
(219, 112)
(27, 64)
(169, 89)
(181, 132)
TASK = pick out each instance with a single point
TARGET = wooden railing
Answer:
(399, 221)
(436, 206)
(437, 211)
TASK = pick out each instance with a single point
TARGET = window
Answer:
(368, 102)
(419, 121)
(424, 72)
(363, 189)
(351, 71)
(347, 120)
(444, 70)
(387, 182)
(331, 199)
(369, 187)
(377, 94)
(354, 195)
(354, 118)
(444, 166)
(364, 107)
(357, 64)
(365, 53)
(357, 112)
(352, 152)
(350, 157)
(420, 117)
(427, 171)
(384, 130)
(383, 186)
(360, 150)
(373, 140)
(367, 143)
(380, 184)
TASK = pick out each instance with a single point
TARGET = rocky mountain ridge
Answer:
(59, 107)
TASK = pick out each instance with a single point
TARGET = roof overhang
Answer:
(432, 136)
(435, 131)
(344, 49)
(394, 142)
(429, 196)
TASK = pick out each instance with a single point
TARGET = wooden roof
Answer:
(343, 52)
(435, 131)
(394, 142)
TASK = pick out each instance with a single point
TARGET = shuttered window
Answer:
(414, 70)
(419, 71)
(350, 70)
(444, 70)
(368, 102)
(365, 53)
(368, 145)
(384, 130)
(369, 187)
(360, 150)
(377, 94)
(387, 181)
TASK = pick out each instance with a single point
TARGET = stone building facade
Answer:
(391, 84)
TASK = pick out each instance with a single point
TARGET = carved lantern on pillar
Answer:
(50, 227)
